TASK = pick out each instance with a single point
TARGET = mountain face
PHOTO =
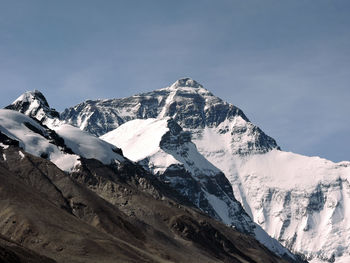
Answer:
(187, 102)
(101, 210)
(301, 201)
(163, 148)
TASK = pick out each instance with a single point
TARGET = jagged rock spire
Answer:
(186, 82)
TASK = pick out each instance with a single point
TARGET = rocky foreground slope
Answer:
(301, 201)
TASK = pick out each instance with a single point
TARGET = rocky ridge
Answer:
(186, 101)
(34, 104)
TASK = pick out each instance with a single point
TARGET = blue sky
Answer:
(286, 64)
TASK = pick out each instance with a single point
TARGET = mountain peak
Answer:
(186, 82)
(34, 104)
(31, 96)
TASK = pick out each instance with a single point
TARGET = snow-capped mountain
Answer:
(301, 201)
(163, 148)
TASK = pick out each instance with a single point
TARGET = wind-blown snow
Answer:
(286, 170)
(136, 140)
(86, 145)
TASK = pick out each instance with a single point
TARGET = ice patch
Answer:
(220, 208)
(66, 162)
(21, 154)
(165, 108)
(135, 138)
(4, 146)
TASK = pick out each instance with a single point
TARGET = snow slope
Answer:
(304, 202)
(138, 142)
(42, 141)
(88, 146)
(19, 127)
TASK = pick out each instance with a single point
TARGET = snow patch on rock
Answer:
(34, 139)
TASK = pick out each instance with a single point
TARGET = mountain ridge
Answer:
(190, 108)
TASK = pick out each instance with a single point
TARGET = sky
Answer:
(286, 64)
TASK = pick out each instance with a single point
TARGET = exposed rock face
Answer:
(34, 104)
